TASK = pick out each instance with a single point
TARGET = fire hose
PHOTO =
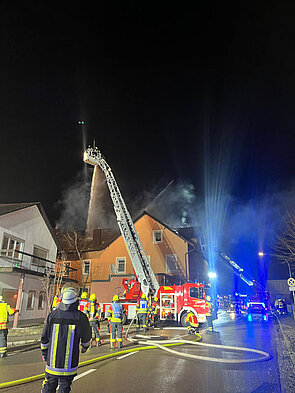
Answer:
(262, 355)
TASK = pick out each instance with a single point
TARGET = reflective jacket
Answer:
(142, 306)
(210, 307)
(93, 311)
(5, 309)
(192, 319)
(65, 328)
(84, 304)
(115, 312)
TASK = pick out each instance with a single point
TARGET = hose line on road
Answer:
(263, 355)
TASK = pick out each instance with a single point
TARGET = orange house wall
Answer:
(100, 264)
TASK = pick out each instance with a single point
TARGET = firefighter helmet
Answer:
(155, 299)
(115, 298)
(69, 296)
(92, 297)
(143, 296)
(84, 295)
(208, 298)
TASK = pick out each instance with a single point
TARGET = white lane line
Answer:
(83, 374)
(127, 354)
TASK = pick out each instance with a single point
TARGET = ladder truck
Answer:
(258, 303)
(175, 301)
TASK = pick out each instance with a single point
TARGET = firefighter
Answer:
(5, 310)
(141, 311)
(209, 314)
(115, 315)
(281, 307)
(65, 328)
(84, 303)
(94, 313)
(55, 303)
(193, 323)
(155, 312)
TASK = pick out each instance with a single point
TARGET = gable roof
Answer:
(116, 236)
(6, 208)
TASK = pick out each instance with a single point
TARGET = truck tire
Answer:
(124, 319)
(183, 318)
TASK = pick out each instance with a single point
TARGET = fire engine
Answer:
(176, 300)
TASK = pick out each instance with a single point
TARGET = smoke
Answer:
(174, 204)
(74, 204)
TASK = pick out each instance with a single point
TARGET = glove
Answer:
(84, 349)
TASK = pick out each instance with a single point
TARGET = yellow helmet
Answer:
(143, 296)
(155, 299)
(92, 297)
(115, 298)
(84, 295)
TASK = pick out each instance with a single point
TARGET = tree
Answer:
(75, 246)
(284, 249)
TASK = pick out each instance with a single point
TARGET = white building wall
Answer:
(31, 283)
(27, 225)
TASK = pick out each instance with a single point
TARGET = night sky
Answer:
(153, 83)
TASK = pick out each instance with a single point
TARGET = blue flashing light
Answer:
(250, 319)
(263, 305)
(265, 317)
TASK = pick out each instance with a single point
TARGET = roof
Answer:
(6, 208)
(115, 235)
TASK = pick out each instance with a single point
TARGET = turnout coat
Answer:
(65, 328)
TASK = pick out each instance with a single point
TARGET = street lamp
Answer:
(212, 275)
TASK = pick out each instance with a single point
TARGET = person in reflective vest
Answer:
(142, 310)
(94, 312)
(5, 310)
(84, 303)
(55, 303)
(65, 329)
(193, 323)
(155, 310)
(209, 314)
(115, 315)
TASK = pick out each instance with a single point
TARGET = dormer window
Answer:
(157, 237)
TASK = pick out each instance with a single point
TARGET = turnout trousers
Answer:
(95, 328)
(51, 382)
(141, 320)
(3, 342)
(210, 322)
(116, 331)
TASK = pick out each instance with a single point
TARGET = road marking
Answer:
(125, 356)
(83, 374)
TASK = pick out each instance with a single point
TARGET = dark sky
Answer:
(149, 80)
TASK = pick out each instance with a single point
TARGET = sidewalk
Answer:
(31, 336)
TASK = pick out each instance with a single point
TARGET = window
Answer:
(39, 252)
(196, 293)
(67, 268)
(41, 301)
(157, 237)
(31, 300)
(120, 265)
(86, 268)
(171, 262)
(11, 246)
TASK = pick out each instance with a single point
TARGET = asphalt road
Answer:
(159, 372)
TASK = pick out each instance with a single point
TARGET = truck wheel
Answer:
(124, 319)
(182, 319)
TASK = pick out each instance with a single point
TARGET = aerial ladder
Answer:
(139, 259)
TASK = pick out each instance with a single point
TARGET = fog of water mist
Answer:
(218, 182)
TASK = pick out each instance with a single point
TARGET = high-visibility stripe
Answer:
(54, 346)
(61, 371)
(71, 344)
(44, 346)
(70, 327)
